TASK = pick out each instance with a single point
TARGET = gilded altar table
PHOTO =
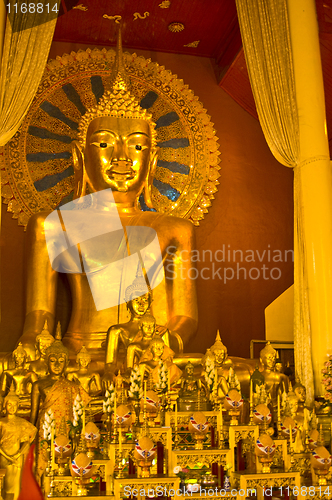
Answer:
(242, 481)
(141, 488)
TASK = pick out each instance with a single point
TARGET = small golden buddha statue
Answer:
(192, 390)
(43, 341)
(116, 150)
(276, 382)
(20, 376)
(54, 392)
(91, 382)
(150, 361)
(16, 435)
(216, 381)
(221, 360)
(147, 331)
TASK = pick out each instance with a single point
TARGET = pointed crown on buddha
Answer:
(268, 349)
(12, 396)
(218, 345)
(19, 351)
(83, 354)
(44, 334)
(57, 348)
(118, 102)
(138, 287)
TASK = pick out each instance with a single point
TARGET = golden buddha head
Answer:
(57, 357)
(137, 298)
(83, 358)
(116, 145)
(11, 401)
(157, 347)
(268, 356)
(19, 356)
(148, 325)
(219, 350)
(44, 340)
(300, 392)
(189, 368)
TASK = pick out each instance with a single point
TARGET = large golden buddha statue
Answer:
(116, 150)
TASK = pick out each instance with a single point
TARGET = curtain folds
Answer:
(266, 42)
(24, 57)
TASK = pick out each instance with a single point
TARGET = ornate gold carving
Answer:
(117, 19)
(137, 15)
(100, 470)
(176, 27)
(80, 6)
(271, 481)
(191, 458)
(192, 44)
(165, 4)
(63, 488)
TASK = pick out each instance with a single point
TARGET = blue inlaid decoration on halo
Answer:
(41, 157)
(167, 119)
(43, 133)
(97, 86)
(144, 206)
(74, 97)
(174, 143)
(166, 190)
(52, 180)
(173, 166)
(148, 100)
(55, 112)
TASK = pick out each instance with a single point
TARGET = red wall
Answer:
(253, 210)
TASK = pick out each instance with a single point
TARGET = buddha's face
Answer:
(269, 360)
(43, 344)
(190, 370)
(140, 305)
(157, 349)
(117, 154)
(278, 367)
(300, 393)
(83, 362)
(11, 406)
(148, 328)
(219, 355)
(19, 359)
(57, 364)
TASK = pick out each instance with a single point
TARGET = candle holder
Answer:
(121, 466)
(52, 484)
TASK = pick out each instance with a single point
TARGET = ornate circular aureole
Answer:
(36, 167)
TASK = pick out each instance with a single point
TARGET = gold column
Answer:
(313, 179)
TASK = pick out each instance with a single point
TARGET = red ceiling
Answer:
(211, 22)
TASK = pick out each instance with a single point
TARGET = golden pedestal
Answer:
(242, 481)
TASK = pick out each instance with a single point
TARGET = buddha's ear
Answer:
(79, 169)
(150, 176)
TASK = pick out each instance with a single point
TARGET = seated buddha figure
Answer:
(20, 376)
(191, 387)
(138, 304)
(147, 331)
(91, 382)
(212, 371)
(275, 382)
(223, 364)
(43, 341)
(150, 361)
(116, 151)
(55, 392)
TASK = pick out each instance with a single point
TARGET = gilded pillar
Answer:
(313, 179)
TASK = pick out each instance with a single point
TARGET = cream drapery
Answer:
(24, 57)
(267, 48)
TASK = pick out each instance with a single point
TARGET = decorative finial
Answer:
(12, 393)
(119, 77)
(218, 338)
(58, 334)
